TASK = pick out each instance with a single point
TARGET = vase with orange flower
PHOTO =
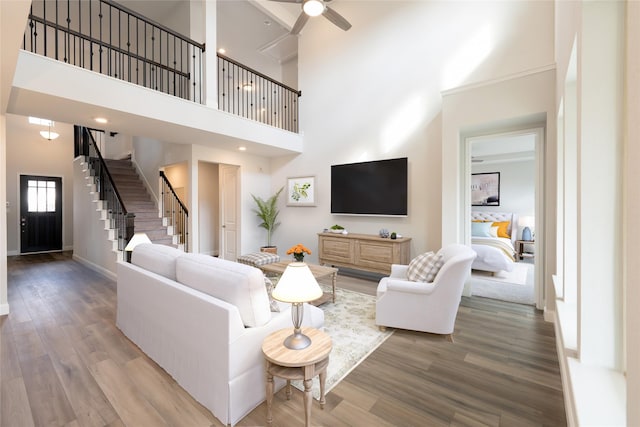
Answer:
(298, 252)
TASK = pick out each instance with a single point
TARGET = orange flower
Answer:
(298, 249)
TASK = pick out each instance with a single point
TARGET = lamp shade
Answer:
(297, 284)
(527, 221)
(136, 240)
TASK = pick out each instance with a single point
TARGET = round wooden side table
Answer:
(302, 365)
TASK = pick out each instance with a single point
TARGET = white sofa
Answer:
(203, 320)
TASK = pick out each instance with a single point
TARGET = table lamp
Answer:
(526, 222)
(297, 286)
(135, 241)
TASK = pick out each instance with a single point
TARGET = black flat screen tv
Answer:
(370, 188)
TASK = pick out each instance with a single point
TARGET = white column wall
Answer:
(600, 183)
(4, 302)
(632, 213)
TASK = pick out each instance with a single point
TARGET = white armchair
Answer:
(427, 307)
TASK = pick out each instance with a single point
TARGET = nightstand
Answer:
(520, 247)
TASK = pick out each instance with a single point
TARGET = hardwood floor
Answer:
(64, 362)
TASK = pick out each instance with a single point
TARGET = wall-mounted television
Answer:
(370, 188)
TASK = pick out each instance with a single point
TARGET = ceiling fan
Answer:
(315, 8)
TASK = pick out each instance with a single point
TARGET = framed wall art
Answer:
(485, 189)
(301, 191)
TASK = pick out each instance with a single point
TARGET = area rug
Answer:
(350, 322)
(518, 276)
(488, 287)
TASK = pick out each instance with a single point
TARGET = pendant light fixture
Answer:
(48, 134)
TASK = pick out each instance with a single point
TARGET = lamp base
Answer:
(526, 234)
(297, 340)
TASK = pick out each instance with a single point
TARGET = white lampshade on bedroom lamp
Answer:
(527, 222)
(297, 286)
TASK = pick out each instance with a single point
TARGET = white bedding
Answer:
(494, 253)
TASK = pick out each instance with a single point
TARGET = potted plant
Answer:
(267, 211)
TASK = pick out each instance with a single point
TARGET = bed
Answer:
(494, 253)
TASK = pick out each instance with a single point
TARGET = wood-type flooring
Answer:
(63, 362)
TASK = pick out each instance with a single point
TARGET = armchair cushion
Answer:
(424, 268)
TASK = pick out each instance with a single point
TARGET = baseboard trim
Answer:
(95, 267)
(549, 315)
(4, 309)
(567, 389)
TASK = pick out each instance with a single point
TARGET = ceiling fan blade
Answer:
(297, 27)
(336, 18)
(288, 1)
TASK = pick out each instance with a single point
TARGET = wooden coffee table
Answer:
(318, 271)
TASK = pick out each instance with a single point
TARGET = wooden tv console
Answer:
(363, 251)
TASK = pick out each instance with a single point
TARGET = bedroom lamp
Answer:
(297, 286)
(135, 241)
(526, 222)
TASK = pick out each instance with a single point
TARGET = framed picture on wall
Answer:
(485, 189)
(301, 191)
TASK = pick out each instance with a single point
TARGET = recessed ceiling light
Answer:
(267, 23)
(101, 120)
(222, 50)
(242, 148)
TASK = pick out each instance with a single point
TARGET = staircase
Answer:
(137, 199)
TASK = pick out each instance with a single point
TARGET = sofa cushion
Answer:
(424, 268)
(235, 283)
(160, 259)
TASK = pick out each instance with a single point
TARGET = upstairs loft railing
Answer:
(121, 220)
(174, 211)
(103, 36)
(253, 95)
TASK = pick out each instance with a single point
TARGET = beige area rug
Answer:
(351, 324)
(518, 276)
(501, 289)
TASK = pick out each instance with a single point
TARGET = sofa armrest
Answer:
(406, 286)
(399, 271)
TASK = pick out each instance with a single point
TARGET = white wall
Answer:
(30, 154)
(209, 206)
(605, 214)
(91, 244)
(632, 212)
(374, 92)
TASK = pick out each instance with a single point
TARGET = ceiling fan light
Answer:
(313, 7)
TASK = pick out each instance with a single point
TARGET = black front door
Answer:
(40, 213)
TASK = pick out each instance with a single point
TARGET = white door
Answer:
(229, 212)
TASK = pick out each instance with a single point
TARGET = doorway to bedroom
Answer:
(503, 175)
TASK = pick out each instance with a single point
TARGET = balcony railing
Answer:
(251, 94)
(103, 36)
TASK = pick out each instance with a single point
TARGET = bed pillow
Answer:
(481, 229)
(493, 231)
(424, 268)
(503, 228)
